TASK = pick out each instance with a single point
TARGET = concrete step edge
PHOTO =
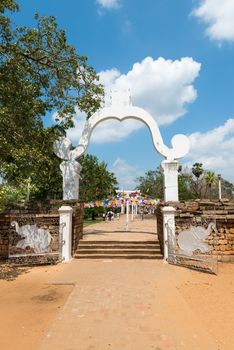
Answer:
(119, 256)
(121, 251)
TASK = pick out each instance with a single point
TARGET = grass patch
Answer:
(88, 222)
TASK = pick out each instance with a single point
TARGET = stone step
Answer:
(81, 242)
(118, 246)
(118, 251)
(114, 249)
(118, 256)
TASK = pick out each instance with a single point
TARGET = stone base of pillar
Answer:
(65, 225)
(168, 219)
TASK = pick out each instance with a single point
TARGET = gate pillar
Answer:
(170, 176)
(65, 223)
(168, 222)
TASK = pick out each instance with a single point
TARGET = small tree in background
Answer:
(197, 171)
(191, 183)
(210, 180)
(151, 184)
(96, 182)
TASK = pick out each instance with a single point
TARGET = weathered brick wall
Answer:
(34, 254)
(9, 237)
(160, 227)
(77, 225)
(4, 235)
(47, 218)
(204, 212)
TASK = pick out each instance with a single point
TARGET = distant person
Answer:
(142, 214)
(104, 216)
(109, 215)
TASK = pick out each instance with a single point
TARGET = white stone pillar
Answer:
(168, 220)
(170, 175)
(65, 223)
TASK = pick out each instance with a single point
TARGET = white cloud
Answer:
(163, 87)
(109, 4)
(214, 149)
(219, 17)
(126, 174)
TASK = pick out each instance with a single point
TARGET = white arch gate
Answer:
(121, 108)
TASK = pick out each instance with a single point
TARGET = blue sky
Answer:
(178, 59)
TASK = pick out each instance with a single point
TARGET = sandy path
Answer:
(129, 305)
(29, 306)
(212, 299)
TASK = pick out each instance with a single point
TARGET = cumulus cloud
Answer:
(214, 149)
(218, 15)
(162, 87)
(126, 174)
(109, 4)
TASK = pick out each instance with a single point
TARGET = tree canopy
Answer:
(40, 74)
(191, 184)
(97, 182)
(151, 183)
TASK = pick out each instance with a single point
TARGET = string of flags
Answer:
(122, 198)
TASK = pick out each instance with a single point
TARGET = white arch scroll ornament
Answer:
(121, 109)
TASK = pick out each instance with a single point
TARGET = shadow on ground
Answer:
(10, 272)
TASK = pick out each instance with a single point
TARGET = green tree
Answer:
(151, 184)
(40, 73)
(97, 182)
(184, 184)
(197, 171)
(210, 179)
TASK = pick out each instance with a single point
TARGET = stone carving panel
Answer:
(193, 239)
(34, 237)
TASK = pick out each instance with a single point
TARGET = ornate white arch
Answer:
(120, 109)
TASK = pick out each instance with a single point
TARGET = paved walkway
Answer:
(124, 305)
(138, 230)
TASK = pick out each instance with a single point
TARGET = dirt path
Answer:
(211, 298)
(28, 305)
(118, 305)
(129, 305)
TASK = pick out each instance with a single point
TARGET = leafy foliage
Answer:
(97, 182)
(197, 171)
(210, 179)
(151, 183)
(39, 73)
(191, 184)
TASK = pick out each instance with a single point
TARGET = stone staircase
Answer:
(118, 250)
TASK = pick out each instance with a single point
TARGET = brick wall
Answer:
(29, 255)
(160, 227)
(47, 218)
(77, 225)
(4, 235)
(202, 212)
